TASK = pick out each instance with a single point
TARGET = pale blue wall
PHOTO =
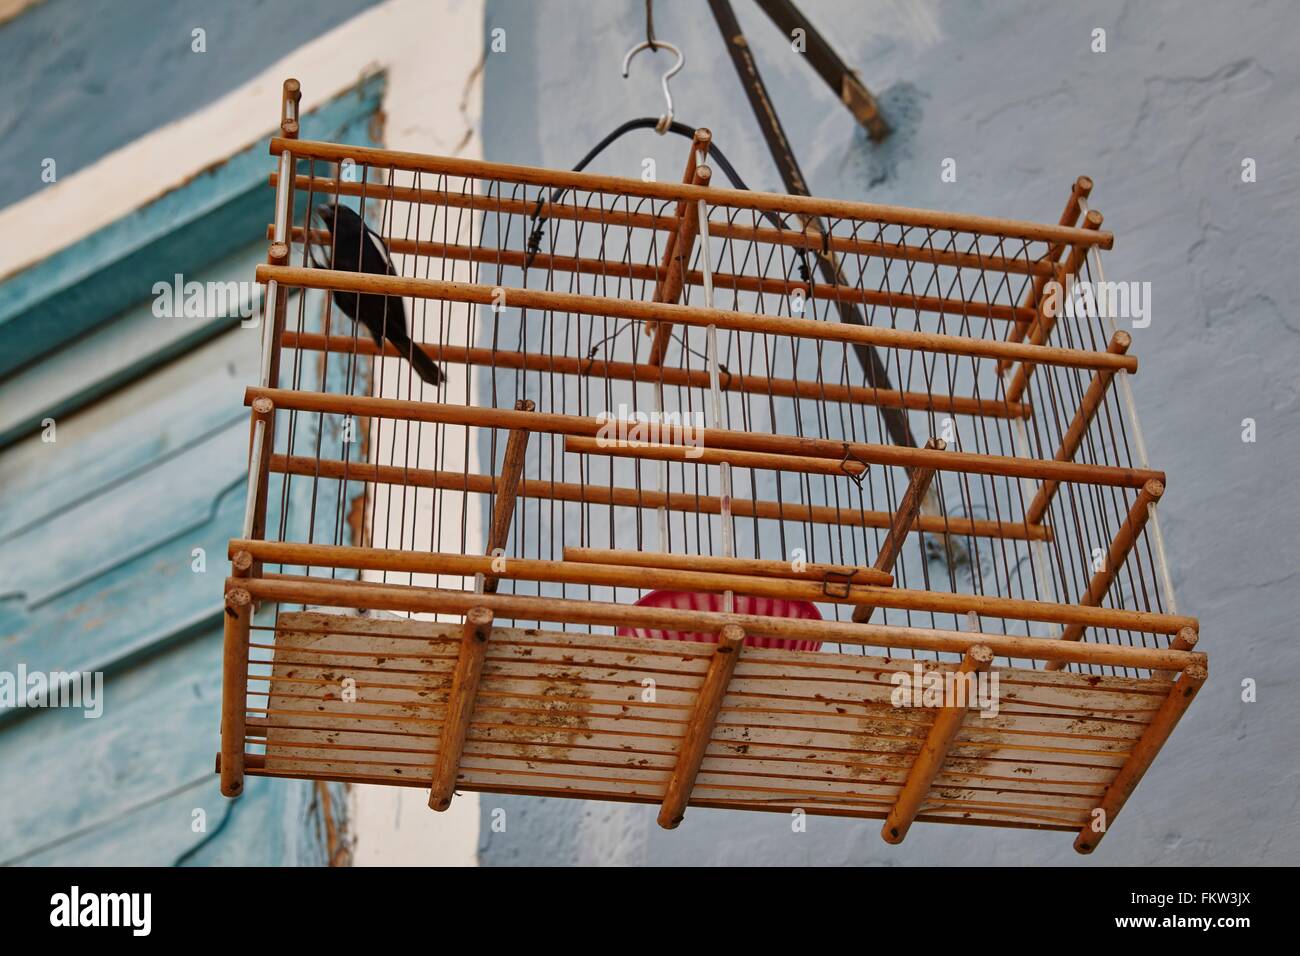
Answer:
(1011, 90)
(84, 77)
(97, 529)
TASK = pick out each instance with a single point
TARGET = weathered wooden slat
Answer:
(460, 708)
(939, 741)
(700, 726)
(555, 716)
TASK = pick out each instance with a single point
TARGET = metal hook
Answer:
(666, 120)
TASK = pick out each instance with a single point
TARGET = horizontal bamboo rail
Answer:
(1117, 554)
(819, 291)
(670, 375)
(721, 229)
(1143, 754)
(475, 632)
(737, 198)
(1073, 437)
(700, 724)
(806, 571)
(331, 279)
(617, 576)
(557, 423)
(929, 761)
(684, 454)
(361, 594)
(618, 496)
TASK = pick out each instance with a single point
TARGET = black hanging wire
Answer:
(645, 122)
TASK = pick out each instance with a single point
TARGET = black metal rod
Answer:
(822, 57)
(877, 375)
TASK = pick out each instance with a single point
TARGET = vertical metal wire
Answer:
(715, 390)
(1140, 446)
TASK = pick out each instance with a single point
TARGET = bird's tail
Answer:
(424, 366)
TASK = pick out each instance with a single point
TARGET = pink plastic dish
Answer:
(744, 604)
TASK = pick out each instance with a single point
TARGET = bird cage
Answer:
(721, 499)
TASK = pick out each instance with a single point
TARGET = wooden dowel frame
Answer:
(678, 247)
(558, 423)
(1116, 555)
(373, 595)
(1184, 640)
(929, 761)
(737, 198)
(700, 724)
(506, 491)
(722, 229)
(475, 632)
(918, 484)
(667, 375)
(817, 291)
(685, 454)
(624, 497)
(234, 686)
(1078, 428)
(469, 293)
(1041, 330)
(616, 576)
(263, 413)
(1082, 189)
(1143, 755)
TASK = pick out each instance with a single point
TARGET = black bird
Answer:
(384, 316)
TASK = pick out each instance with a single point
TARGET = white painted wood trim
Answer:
(427, 50)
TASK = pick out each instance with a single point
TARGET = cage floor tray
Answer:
(602, 717)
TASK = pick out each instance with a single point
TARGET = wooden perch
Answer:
(699, 727)
(929, 761)
(507, 491)
(460, 704)
(690, 562)
(918, 484)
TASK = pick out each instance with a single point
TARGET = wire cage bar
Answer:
(728, 509)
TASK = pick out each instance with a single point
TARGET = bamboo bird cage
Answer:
(813, 491)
